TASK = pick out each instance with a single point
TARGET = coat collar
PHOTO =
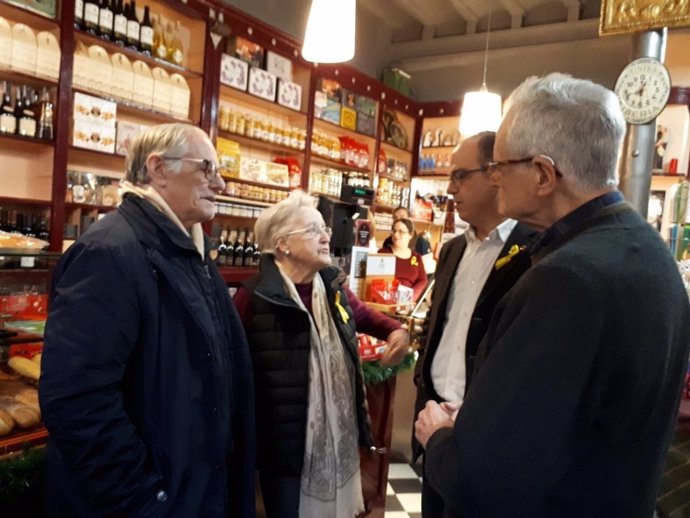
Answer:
(158, 231)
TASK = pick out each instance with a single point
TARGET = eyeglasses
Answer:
(493, 166)
(312, 231)
(458, 175)
(209, 167)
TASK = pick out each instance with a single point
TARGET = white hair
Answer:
(576, 122)
(275, 221)
(166, 139)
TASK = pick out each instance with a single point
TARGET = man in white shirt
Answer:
(474, 271)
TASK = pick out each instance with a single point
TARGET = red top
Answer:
(409, 272)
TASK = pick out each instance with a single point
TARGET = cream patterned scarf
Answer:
(149, 193)
(331, 485)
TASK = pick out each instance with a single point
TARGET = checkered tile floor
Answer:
(404, 492)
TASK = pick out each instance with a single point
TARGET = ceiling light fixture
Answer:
(330, 35)
(481, 110)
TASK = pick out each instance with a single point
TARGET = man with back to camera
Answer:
(471, 277)
(571, 413)
(147, 387)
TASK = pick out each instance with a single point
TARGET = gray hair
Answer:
(576, 122)
(277, 219)
(166, 139)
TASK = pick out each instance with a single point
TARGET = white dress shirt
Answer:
(448, 366)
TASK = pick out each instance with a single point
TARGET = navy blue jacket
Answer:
(147, 387)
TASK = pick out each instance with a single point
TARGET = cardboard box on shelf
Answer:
(365, 105)
(348, 118)
(262, 84)
(228, 157)
(279, 66)
(95, 136)
(246, 50)
(88, 108)
(234, 72)
(366, 124)
(126, 133)
(289, 94)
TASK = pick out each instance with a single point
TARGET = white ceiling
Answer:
(440, 43)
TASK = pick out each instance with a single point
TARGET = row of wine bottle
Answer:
(116, 21)
(27, 224)
(28, 116)
(237, 248)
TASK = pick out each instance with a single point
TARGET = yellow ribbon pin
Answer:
(341, 309)
(514, 250)
(413, 261)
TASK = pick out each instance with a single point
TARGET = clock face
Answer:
(643, 89)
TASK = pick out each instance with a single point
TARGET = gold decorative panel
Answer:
(622, 16)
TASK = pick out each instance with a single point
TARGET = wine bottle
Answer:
(27, 118)
(91, 14)
(257, 255)
(230, 247)
(175, 53)
(45, 122)
(43, 230)
(160, 50)
(133, 27)
(238, 252)
(248, 255)
(8, 121)
(105, 20)
(146, 33)
(79, 14)
(221, 258)
(119, 24)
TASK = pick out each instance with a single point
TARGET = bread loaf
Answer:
(29, 397)
(25, 367)
(23, 415)
(6, 423)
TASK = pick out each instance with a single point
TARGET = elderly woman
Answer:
(301, 322)
(409, 268)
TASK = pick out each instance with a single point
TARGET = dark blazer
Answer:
(147, 382)
(498, 283)
(573, 411)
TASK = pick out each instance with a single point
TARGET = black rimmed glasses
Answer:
(312, 231)
(493, 166)
(208, 167)
(459, 174)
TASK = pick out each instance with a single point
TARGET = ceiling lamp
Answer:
(330, 36)
(481, 110)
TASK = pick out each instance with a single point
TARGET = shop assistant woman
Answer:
(301, 322)
(409, 269)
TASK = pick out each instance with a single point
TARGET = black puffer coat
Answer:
(279, 344)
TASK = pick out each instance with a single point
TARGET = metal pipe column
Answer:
(638, 147)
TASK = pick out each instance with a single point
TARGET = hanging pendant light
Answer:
(481, 110)
(330, 35)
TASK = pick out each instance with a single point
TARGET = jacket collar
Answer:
(155, 228)
(270, 283)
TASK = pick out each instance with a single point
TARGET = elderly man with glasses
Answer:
(147, 382)
(474, 271)
(572, 412)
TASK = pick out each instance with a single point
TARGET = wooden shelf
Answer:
(25, 141)
(429, 149)
(87, 206)
(125, 107)
(228, 92)
(133, 55)
(388, 208)
(38, 22)
(241, 201)
(18, 441)
(393, 149)
(322, 160)
(20, 78)
(670, 175)
(440, 172)
(25, 201)
(236, 275)
(329, 127)
(259, 184)
(97, 162)
(392, 178)
(260, 144)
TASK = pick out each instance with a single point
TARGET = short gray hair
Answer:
(166, 139)
(277, 219)
(576, 122)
